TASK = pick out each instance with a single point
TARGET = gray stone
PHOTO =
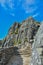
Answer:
(37, 48)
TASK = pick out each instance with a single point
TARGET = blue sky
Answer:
(18, 10)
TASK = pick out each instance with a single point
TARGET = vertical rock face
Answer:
(20, 36)
(21, 33)
(0, 43)
(37, 48)
(13, 28)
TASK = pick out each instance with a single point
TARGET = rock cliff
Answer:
(37, 48)
(21, 33)
(17, 46)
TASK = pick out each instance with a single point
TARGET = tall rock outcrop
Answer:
(16, 47)
(21, 33)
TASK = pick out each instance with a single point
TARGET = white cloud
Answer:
(2, 2)
(30, 6)
(29, 2)
(30, 10)
(35, 15)
(9, 3)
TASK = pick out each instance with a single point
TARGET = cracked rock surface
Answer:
(37, 48)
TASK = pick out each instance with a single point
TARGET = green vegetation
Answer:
(15, 42)
(25, 40)
(12, 32)
(16, 31)
(19, 41)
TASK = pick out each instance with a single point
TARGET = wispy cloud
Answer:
(11, 4)
(30, 6)
(35, 15)
(8, 5)
(5, 3)
(30, 9)
(29, 2)
(2, 2)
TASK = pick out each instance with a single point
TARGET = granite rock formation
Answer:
(17, 45)
(21, 33)
(37, 48)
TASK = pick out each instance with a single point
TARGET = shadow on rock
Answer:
(16, 58)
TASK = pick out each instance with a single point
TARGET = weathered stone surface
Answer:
(15, 56)
(5, 54)
(37, 48)
(0, 43)
(23, 58)
(16, 48)
(19, 33)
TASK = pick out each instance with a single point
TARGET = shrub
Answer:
(15, 42)
(19, 41)
(25, 40)
(16, 31)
